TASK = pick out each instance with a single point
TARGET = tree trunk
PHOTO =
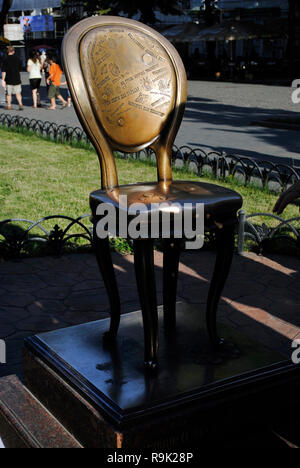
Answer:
(293, 48)
(297, 30)
(210, 45)
(209, 13)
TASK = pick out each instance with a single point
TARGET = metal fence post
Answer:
(241, 231)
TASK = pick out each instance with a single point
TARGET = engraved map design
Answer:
(131, 80)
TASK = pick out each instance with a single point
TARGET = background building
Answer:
(245, 37)
(42, 23)
(48, 20)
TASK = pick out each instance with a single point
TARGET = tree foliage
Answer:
(130, 8)
(207, 12)
(211, 13)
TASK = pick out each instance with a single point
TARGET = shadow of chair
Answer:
(129, 90)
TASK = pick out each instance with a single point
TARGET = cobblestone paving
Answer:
(261, 297)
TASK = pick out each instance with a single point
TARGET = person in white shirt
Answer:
(43, 58)
(34, 68)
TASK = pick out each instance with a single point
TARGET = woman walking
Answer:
(34, 67)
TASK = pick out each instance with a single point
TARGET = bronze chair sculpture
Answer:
(129, 89)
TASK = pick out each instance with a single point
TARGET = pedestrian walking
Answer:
(45, 67)
(34, 68)
(43, 58)
(11, 77)
(54, 82)
(2, 95)
(69, 99)
(2, 89)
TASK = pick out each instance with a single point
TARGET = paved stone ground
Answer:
(261, 298)
(218, 116)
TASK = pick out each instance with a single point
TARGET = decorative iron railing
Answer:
(23, 236)
(263, 174)
(283, 238)
(57, 234)
(16, 239)
(44, 129)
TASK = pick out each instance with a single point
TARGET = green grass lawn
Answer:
(40, 178)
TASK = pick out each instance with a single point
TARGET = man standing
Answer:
(11, 77)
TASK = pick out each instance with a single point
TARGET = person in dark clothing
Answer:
(11, 77)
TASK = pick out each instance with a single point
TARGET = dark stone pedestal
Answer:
(105, 397)
(25, 423)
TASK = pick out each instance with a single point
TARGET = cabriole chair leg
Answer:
(145, 277)
(170, 279)
(104, 260)
(225, 250)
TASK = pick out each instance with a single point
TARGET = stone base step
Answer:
(25, 423)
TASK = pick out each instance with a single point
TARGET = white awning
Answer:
(19, 5)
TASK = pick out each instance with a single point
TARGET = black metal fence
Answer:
(256, 234)
(263, 174)
(50, 235)
(19, 236)
(58, 234)
(44, 129)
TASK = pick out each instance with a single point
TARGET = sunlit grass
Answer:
(40, 178)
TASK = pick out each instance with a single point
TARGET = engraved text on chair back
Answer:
(131, 81)
(128, 81)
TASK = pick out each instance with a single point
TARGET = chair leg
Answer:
(145, 277)
(225, 249)
(170, 277)
(104, 260)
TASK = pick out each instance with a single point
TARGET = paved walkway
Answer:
(261, 297)
(218, 116)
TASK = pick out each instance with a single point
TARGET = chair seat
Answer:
(220, 203)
